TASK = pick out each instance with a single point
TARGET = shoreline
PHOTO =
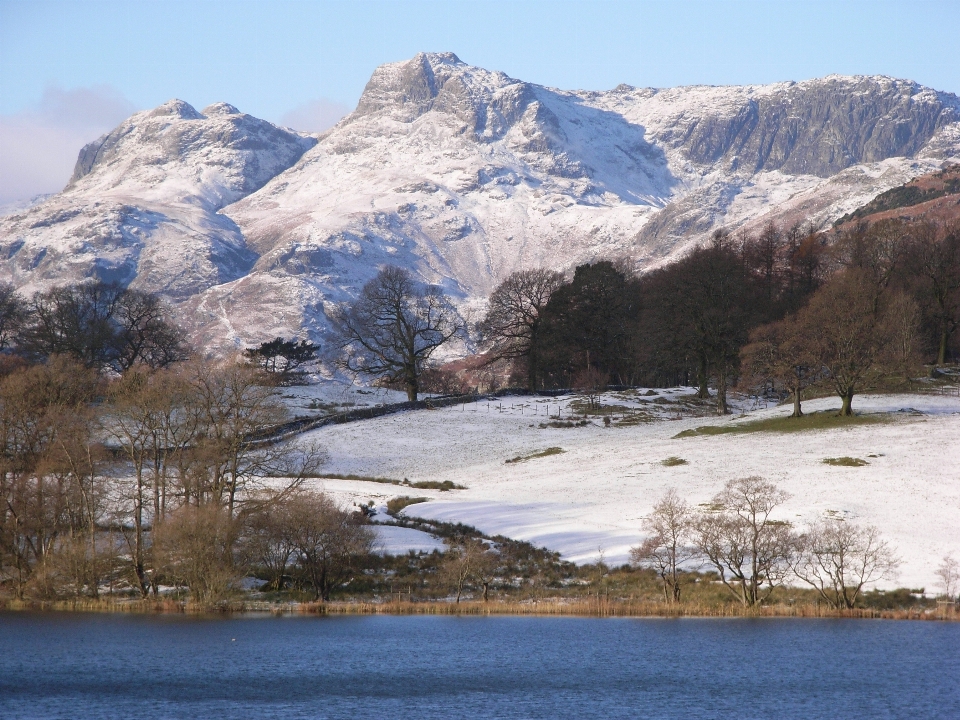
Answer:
(543, 608)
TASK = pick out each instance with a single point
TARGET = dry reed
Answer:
(547, 607)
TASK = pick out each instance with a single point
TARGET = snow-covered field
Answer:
(592, 497)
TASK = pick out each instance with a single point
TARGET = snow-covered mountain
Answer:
(463, 175)
(143, 204)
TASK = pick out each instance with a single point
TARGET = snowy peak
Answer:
(142, 207)
(485, 102)
(462, 175)
(219, 108)
(211, 158)
(816, 127)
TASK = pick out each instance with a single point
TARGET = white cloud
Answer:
(315, 116)
(39, 145)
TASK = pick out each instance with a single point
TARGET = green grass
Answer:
(543, 453)
(636, 418)
(434, 485)
(399, 503)
(828, 420)
(673, 461)
(361, 478)
(419, 485)
(845, 461)
(582, 407)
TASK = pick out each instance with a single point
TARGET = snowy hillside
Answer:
(594, 495)
(463, 175)
(143, 204)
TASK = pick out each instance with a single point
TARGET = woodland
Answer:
(131, 466)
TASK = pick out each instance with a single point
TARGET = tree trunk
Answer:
(797, 412)
(722, 408)
(944, 340)
(847, 397)
(139, 565)
(532, 372)
(703, 391)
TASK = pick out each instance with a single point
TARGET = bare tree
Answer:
(838, 558)
(456, 566)
(236, 410)
(511, 327)
(901, 319)
(394, 327)
(13, 316)
(143, 333)
(268, 541)
(43, 410)
(484, 568)
(103, 326)
(153, 418)
(466, 560)
(329, 542)
(875, 251)
(845, 331)
(948, 573)
(590, 383)
(933, 259)
(194, 547)
(778, 353)
(736, 534)
(710, 303)
(667, 548)
(75, 321)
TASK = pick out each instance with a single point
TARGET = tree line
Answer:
(118, 449)
(127, 461)
(158, 477)
(785, 307)
(100, 325)
(738, 536)
(782, 309)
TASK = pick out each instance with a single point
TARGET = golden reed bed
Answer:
(549, 607)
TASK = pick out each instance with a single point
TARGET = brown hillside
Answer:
(929, 197)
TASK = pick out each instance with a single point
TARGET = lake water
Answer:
(119, 666)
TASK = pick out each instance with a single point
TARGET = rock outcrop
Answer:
(462, 175)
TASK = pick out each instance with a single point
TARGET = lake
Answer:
(56, 665)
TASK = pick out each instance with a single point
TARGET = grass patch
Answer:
(434, 485)
(582, 407)
(328, 407)
(361, 478)
(564, 424)
(673, 461)
(419, 485)
(635, 419)
(827, 420)
(845, 462)
(543, 453)
(399, 503)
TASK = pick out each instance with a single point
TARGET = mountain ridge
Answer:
(464, 175)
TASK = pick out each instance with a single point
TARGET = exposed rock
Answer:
(462, 175)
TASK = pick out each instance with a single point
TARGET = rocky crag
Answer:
(462, 175)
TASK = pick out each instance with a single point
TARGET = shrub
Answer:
(845, 462)
(399, 503)
(543, 453)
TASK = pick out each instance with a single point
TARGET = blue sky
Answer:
(71, 70)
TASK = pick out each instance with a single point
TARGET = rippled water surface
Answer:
(118, 666)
